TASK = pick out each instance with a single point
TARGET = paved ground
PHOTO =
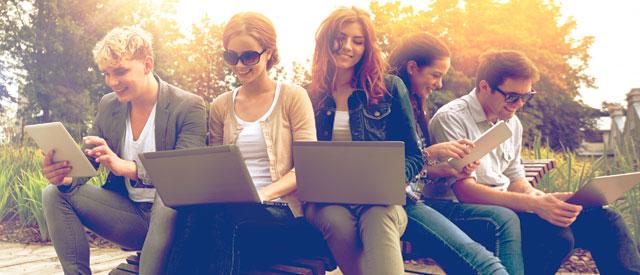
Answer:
(41, 259)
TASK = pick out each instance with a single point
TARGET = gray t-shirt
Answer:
(465, 118)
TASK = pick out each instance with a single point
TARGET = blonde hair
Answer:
(257, 26)
(123, 42)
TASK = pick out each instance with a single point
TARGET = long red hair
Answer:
(368, 72)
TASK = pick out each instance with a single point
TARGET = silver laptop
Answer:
(353, 172)
(604, 190)
(200, 176)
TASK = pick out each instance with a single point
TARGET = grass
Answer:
(5, 192)
(21, 184)
(28, 200)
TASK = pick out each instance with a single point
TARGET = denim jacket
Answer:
(390, 120)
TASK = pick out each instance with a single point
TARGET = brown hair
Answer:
(368, 72)
(424, 49)
(496, 66)
(421, 47)
(257, 26)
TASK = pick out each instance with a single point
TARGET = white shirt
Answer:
(146, 143)
(252, 144)
(465, 118)
(341, 128)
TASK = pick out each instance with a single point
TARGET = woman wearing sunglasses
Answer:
(262, 117)
(355, 100)
(421, 61)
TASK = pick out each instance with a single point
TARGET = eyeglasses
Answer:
(248, 58)
(515, 97)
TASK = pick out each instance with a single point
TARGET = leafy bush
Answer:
(21, 184)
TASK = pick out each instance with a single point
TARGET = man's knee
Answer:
(51, 196)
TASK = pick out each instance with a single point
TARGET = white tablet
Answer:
(53, 135)
(604, 190)
(488, 141)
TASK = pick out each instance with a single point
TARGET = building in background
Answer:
(632, 124)
(618, 131)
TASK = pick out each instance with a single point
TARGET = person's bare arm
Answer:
(550, 207)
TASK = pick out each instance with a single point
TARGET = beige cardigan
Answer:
(292, 119)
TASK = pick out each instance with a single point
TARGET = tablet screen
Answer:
(488, 141)
(54, 136)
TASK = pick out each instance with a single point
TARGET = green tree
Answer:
(535, 27)
(5, 81)
(199, 66)
(51, 41)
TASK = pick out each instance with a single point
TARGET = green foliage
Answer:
(535, 27)
(21, 185)
(5, 192)
(4, 82)
(199, 66)
(52, 42)
(27, 196)
(16, 163)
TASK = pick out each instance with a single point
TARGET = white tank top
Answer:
(253, 147)
(341, 128)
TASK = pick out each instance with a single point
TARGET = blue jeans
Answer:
(437, 237)
(599, 230)
(225, 238)
(496, 228)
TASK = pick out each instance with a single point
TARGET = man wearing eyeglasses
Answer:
(548, 228)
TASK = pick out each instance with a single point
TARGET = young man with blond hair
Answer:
(141, 114)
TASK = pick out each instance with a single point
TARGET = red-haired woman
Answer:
(355, 100)
(262, 117)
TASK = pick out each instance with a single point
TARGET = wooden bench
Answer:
(535, 171)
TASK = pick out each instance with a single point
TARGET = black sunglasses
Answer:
(514, 97)
(248, 58)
